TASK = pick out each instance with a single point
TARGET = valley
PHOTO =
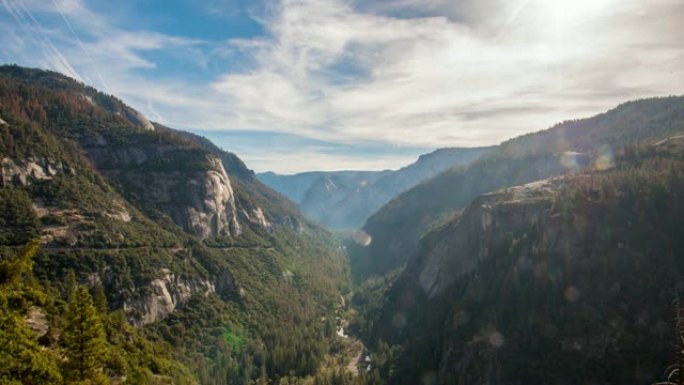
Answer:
(553, 257)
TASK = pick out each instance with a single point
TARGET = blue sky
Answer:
(296, 85)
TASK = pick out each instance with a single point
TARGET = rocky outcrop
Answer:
(23, 172)
(138, 119)
(214, 212)
(257, 217)
(164, 294)
(199, 199)
(489, 220)
(36, 319)
(202, 203)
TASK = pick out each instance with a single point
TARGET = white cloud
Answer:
(423, 79)
(421, 73)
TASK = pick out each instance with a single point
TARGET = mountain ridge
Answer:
(575, 273)
(345, 199)
(178, 234)
(397, 227)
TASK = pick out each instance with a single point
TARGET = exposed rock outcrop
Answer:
(257, 217)
(138, 119)
(489, 220)
(199, 199)
(164, 295)
(24, 172)
(214, 212)
(36, 319)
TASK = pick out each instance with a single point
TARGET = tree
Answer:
(100, 299)
(84, 340)
(23, 359)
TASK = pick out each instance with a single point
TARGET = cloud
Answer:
(410, 73)
(423, 79)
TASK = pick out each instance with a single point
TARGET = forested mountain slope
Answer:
(397, 227)
(569, 280)
(220, 272)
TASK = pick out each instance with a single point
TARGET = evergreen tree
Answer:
(84, 340)
(100, 299)
(70, 284)
(22, 359)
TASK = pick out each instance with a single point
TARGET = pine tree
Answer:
(70, 284)
(100, 299)
(23, 360)
(84, 339)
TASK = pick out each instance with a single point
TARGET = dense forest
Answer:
(183, 293)
(573, 282)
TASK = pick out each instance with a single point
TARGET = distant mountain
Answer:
(296, 186)
(565, 280)
(171, 230)
(397, 227)
(345, 199)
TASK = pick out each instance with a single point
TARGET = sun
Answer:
(567, 13)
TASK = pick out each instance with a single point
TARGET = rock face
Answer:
(15, 172)
(36, 319)
(489, 220)
(213, 212)
(138, 119)
(200, 199)
(257, 217)
(165, 294)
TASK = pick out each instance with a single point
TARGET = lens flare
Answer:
(362, 238)
(572, 294)
(605, 160)
(496, 339)
(571, 160)
(399, 320)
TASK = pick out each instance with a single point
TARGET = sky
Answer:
(298, 85)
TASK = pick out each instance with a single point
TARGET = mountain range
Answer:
(345, 199)
(554, 257)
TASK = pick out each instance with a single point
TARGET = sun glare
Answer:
(567, 13)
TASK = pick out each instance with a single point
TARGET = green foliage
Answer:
(576, 294)
(272, 286)
(18, 222)
(23, 360)
(19, 289)
(89, 356)
(234, 340)
(83, 339)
